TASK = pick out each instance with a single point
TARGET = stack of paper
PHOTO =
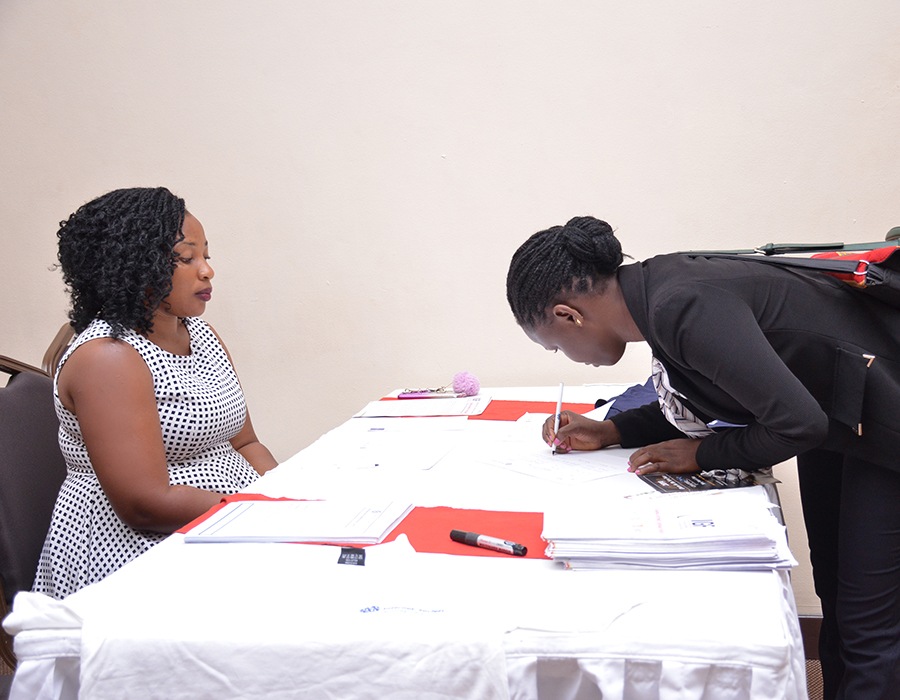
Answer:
(688, 533)
(335, 522)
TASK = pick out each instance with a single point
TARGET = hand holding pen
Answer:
(556, 415)
(575, 432)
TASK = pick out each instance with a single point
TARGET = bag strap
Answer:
(830, 265)
(780, 248)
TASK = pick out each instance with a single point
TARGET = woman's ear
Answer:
(566, 314)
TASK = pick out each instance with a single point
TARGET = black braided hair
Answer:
(117, 259)
(576, 258)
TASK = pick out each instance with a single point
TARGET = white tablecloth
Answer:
(286, 621)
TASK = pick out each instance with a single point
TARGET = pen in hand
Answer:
(558, 412)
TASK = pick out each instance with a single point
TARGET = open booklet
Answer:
(702, 481)
(334, 522)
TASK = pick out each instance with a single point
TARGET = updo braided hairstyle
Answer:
(579, 257)
(117, 259)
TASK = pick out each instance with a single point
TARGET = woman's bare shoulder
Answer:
(94, 363)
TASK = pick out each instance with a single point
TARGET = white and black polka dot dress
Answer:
(201, 407)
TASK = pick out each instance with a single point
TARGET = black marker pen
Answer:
(476, 540)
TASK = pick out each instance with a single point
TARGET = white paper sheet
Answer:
(387, 444)
(300, 521)
(522, 450)
(468, 406)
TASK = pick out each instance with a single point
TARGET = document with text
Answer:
(331, 521)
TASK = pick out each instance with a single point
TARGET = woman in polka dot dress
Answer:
(153, 424)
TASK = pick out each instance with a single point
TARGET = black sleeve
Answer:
(714, 333)
(645, 425)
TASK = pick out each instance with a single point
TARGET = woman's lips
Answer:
(205, 295)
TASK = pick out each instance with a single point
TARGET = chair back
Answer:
(31, 472)
(57, 349)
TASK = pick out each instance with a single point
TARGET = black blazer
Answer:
(786, 353)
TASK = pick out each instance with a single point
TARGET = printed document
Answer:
(336, 522)
(466, 406)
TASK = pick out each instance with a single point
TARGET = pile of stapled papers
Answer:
(712, 530)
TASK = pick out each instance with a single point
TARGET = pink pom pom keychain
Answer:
(464, 384)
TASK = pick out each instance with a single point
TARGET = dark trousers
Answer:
(852, 514)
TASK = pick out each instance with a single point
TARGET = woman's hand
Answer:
(579, 433)
(671, 456)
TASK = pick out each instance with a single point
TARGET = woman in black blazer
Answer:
(803, 364)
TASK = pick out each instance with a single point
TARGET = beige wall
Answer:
(364, 170)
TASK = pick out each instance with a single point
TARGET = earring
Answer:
(578, 322)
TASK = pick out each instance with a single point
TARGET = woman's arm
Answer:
(109, 388)
(715, 334)
(644, 425)
(252, 449)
